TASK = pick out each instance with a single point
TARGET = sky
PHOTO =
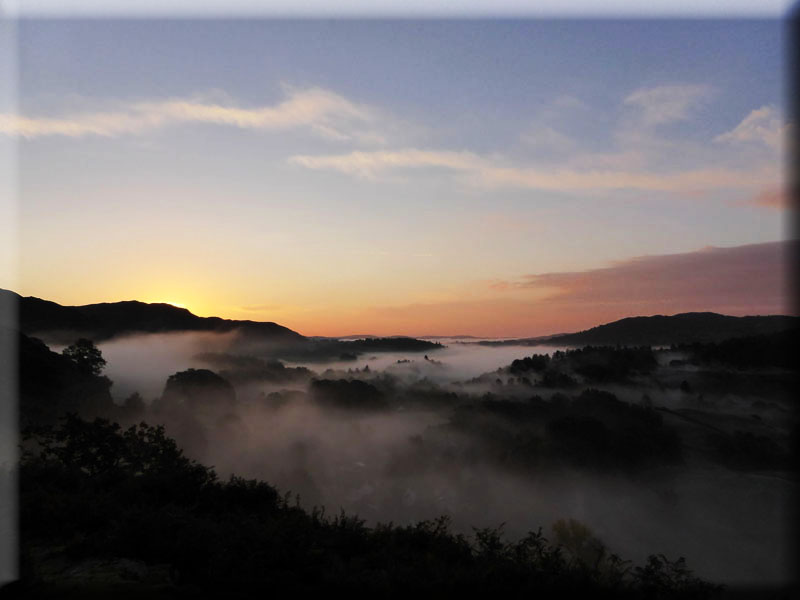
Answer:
(487, 177)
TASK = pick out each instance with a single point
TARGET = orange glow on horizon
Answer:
(746, 280)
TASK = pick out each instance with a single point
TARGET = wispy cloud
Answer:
(324, 112)
(762, 126)
(668, 103)
(641, 158)
(492, 172)
(370, 164)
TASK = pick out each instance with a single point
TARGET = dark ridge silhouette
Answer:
(109, 319)
(684, 328)
(57, 324)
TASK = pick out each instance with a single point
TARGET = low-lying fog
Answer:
(143, 363)
(397, 465)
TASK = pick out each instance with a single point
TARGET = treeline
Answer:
(595, 364)
(238, 368)
(165, 526)
(51, 384)
(777, 350)
(592, 430)
(320, 350)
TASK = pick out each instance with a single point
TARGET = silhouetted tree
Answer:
(86, 355)
(198, 388)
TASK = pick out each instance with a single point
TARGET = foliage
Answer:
(536, 362)
(102, 449)
(611, 364)
(51, 384)
(330, 349)
(662, 578)
(760, 351)
(594, 430)
(197, 388)
(242, 368)
(553, 378)
(86, 355)
(347, 394)
(150, 503)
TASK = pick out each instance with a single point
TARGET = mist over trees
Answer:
(399, 446)
(242, 537)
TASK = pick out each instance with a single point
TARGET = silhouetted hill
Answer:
(107, 320)
(682, 328)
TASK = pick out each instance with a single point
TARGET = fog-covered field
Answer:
(143, 363)
(427, 443)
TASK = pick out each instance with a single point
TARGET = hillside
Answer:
(53, 321)
(57, 324)
(684, 328)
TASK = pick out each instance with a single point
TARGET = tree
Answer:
(198, 388)
(86, 355)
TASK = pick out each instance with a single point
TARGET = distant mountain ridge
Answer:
(661, 330)
(106, 320)
(109, 319)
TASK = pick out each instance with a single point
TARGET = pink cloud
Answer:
(775, 198)
(740, 280)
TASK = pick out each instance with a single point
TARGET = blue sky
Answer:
(426, 69)
(346, 168)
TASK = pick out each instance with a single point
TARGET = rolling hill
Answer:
(660, 330)
(49, 320)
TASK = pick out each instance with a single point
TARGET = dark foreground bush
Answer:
(109, 510)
